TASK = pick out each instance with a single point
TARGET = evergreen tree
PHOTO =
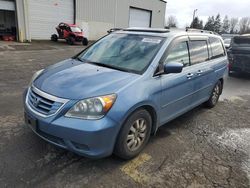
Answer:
(233, 23)
(197, 24)
(217, 24)
(210, 24)
(225, 25)
(201, 25)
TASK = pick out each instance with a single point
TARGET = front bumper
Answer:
(90, 138)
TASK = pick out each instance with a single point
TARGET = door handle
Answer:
(199, 72)
(190, 75)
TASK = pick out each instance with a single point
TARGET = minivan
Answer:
(116, 93)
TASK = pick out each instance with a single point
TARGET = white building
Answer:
(37, 19)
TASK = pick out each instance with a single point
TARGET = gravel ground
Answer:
(203, 148)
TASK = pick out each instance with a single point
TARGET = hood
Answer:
(72, 79)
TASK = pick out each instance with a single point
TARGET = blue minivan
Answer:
(117, 92)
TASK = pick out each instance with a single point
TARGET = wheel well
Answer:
(153, 114)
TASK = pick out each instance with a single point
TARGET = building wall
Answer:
(98, 16)
(95, 17)
(157, 7)
(22, 20)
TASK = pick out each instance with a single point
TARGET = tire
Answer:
(137, 126)
(215, 95)
(85, 41)
(71, 40)
(230, 74)
(54, 38)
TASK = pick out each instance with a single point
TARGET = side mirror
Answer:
(173, 67)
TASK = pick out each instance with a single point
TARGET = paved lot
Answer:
(203, 148)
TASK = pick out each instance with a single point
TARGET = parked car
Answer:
(113, 95)
(227, 42)
(71, 33)
(239, 55)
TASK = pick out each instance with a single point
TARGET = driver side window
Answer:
(179, 53)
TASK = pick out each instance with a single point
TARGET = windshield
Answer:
(242, 41)
(127, 52)
(75, 29)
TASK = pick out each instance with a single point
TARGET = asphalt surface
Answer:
(203, 148)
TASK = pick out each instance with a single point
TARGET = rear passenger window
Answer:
(198, 51)
(217, 48)
(179, 53)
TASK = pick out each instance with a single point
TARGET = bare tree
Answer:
(233, 24)
(171, 21)
(244, 25)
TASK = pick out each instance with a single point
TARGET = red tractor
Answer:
(71, 33)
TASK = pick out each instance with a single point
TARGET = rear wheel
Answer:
(71, 40)
(230, 74)
(54, 38)
(215, 95)
(134, 135)
(85, 41)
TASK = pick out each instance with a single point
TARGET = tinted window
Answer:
(179, 53)
(217, 48)
(198, 51)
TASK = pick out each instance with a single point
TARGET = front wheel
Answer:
(85, 41)
(134, 135)
(215, 95)
(71, 40)
(54, 38)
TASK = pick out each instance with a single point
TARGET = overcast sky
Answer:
(183, 9)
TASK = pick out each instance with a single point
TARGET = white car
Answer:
(227, 42)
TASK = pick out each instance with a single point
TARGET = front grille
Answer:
(42, 104)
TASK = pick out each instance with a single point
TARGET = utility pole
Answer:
(195, 10)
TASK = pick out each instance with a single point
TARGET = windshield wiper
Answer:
(109, 66)
(79, 59)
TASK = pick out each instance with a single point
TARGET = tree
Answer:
(197, 24)
(225, 25)
(217, 24)
(171, 21)
(244, 25)
(233, 24)
(210, 24)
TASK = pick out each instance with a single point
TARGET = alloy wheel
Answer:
(216, 94)
(137, 134)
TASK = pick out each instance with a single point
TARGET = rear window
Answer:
(217, 48)
(242, 41)
(198, 51)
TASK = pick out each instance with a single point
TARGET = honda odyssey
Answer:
(117, 92)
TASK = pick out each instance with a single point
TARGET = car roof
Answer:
(168, 33)
(70, 25)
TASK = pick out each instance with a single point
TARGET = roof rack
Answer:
(199, 30)
(149, 30)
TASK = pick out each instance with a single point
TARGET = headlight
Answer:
(35, 75)
(92, 108)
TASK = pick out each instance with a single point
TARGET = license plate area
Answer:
(32, 122)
